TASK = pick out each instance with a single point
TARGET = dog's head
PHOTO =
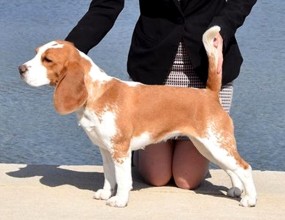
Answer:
(60, 64)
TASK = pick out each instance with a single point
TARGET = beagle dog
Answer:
(114, 115)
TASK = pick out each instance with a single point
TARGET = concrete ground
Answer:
(66, 192)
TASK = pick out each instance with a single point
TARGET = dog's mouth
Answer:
(23, 77)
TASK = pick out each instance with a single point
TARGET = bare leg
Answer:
(155, 163)
(158, 163)
(189, 166)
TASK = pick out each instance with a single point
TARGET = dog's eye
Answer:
(47, 60)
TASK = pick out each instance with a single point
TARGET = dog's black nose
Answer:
(22, 69)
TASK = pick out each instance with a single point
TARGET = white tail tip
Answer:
(208, 39)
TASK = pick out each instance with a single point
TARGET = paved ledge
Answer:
(65, 192)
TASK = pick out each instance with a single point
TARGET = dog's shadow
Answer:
(54, 176)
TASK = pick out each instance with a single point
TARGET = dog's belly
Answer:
(145, 139)
(141, 141)
(101, 131)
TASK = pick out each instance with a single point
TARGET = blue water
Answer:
(31, 131)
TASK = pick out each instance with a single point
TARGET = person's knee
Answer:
(158, 181)
(156, 177)
(187, 183)
(155, 163)
(189, 166)
(189, 178)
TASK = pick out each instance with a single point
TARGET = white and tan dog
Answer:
(116, 118)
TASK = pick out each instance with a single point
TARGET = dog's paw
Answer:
(234, 192)
(248, 201)
(117, 201)
(102, 194)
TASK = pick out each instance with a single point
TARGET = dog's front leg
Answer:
(109, 177)
(124, 182)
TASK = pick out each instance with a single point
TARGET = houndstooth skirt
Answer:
(182, 74)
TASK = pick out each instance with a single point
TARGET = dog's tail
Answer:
(214, 81)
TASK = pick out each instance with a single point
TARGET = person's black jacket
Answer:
(161, 26)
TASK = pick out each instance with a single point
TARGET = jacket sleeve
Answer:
(232, 17)
(95, 24)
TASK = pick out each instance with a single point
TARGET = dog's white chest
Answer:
(101, 128)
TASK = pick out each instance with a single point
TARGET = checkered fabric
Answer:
(182, 74)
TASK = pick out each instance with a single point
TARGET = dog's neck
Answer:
(96, 74)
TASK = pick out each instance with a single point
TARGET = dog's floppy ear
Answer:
(70, 92)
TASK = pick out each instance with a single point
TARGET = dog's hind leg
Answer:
(221, 150)
(237, 188)
(245, 175)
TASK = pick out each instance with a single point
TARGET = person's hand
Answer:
(218, 43)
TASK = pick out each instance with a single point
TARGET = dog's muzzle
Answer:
(22, 69)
